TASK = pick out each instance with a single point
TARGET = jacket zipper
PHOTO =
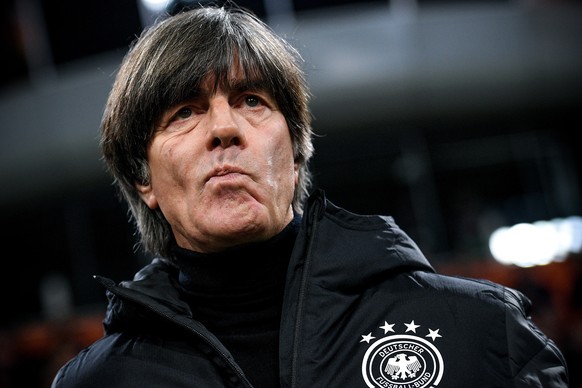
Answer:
(317, 212)
(111, 286)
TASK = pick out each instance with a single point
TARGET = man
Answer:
(207, 133)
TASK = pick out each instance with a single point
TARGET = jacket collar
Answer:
(375, 242)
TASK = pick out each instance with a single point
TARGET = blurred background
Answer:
(458, 118)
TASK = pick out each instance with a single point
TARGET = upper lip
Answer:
(224, 170)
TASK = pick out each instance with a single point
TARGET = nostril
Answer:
(226, 142)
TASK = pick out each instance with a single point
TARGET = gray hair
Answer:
(164, 66)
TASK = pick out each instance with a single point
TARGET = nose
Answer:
(224, 130)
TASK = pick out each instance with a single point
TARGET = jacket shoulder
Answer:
(474, 288)
(135, 360)
(91, 367)
(477, 296)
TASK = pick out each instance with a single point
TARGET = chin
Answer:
(247, 222)
(246, 234)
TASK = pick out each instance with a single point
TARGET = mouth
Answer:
(225, 172)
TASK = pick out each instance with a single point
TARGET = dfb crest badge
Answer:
(402, 360)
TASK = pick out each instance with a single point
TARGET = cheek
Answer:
(286, 172)
(281, 154)
(173, 155)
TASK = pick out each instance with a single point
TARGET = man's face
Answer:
(222, 169)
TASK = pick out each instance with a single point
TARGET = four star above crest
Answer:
(389, 327)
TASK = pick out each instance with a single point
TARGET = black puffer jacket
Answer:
(362, 308)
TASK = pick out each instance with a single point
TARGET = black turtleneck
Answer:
(237, 294)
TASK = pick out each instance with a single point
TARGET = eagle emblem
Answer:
(402, 366)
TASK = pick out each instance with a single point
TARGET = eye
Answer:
(183, 113)
(252, 100)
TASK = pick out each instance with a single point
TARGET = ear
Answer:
(147, 195)
(296, 173)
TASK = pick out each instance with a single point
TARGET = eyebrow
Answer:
(241, 85)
